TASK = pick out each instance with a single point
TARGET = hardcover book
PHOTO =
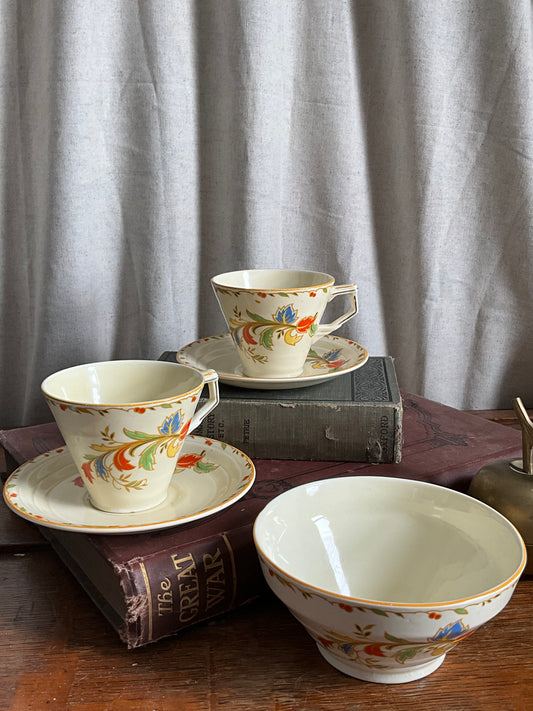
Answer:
(151, 585)
(354, 417)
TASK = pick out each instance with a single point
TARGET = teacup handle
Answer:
(211, 380)
(326, 328)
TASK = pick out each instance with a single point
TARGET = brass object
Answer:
(507, 485)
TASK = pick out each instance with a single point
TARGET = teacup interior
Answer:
(388, 540)
(121, 382)
(268, 279)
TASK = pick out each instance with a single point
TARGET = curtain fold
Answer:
(147, 146)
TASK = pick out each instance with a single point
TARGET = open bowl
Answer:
(386, 574)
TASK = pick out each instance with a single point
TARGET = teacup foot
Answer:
(381, 676)
(126, 509)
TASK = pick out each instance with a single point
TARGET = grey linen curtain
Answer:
(146, 146)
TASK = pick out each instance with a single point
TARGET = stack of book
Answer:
(154, 584)
(353, 417)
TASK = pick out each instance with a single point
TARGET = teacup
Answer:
(124, 423)
(274, 316)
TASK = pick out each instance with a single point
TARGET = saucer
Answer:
(49, 491)
(329, 357)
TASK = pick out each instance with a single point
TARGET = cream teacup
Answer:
(274, 316)
(124, 423)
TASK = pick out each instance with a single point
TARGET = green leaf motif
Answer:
(461, 611)
(256, 317)
(266, 337)
(147, 458)
(396, 640)
(203, 467)
(407, 654)
(137, 435)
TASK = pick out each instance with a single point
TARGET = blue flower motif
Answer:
(285, 315)
(171, 425)
(331, 355)
(450, 632)
(100, 467)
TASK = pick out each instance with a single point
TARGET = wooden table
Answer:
(58, 652)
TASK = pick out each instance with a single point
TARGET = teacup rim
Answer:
(397, 605)
(129, 404)
(325, 280)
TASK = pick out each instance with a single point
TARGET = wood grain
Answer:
(58, 652)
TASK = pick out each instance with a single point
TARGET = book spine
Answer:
(180, 587)
(151, 597)
(362, 432)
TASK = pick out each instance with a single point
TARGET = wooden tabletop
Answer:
(58, 652)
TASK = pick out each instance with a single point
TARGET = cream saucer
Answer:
(49, 491)
(330, 356)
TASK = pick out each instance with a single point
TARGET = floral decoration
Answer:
(257, 330)
(330, 360)
(358, 648)
(115, 455)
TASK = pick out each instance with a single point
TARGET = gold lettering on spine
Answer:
(188, 587)
(149, 595)
(164, 599)
(215, 579)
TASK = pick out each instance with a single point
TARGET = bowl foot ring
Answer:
(382, 676)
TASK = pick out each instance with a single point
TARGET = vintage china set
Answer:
(385, 574)
(275, 316)
(49, 491)
(210, 476)
(82, 486)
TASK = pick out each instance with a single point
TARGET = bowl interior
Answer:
(388, 540)
(121, 382)
(268, 279)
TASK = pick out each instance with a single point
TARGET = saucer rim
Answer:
(131, 528)
(239, 380)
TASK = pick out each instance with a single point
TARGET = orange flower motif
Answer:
(374, 650)
(189, 460)
(336, 363)
(305, 324)
(87, 471)
(261, 294)
(184, 431)
(120, 460)
(325, 642)
(140, 410)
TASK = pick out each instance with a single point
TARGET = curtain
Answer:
(147, 146)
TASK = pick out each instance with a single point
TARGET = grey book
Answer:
(354, 417)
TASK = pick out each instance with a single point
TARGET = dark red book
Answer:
(151, 585)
